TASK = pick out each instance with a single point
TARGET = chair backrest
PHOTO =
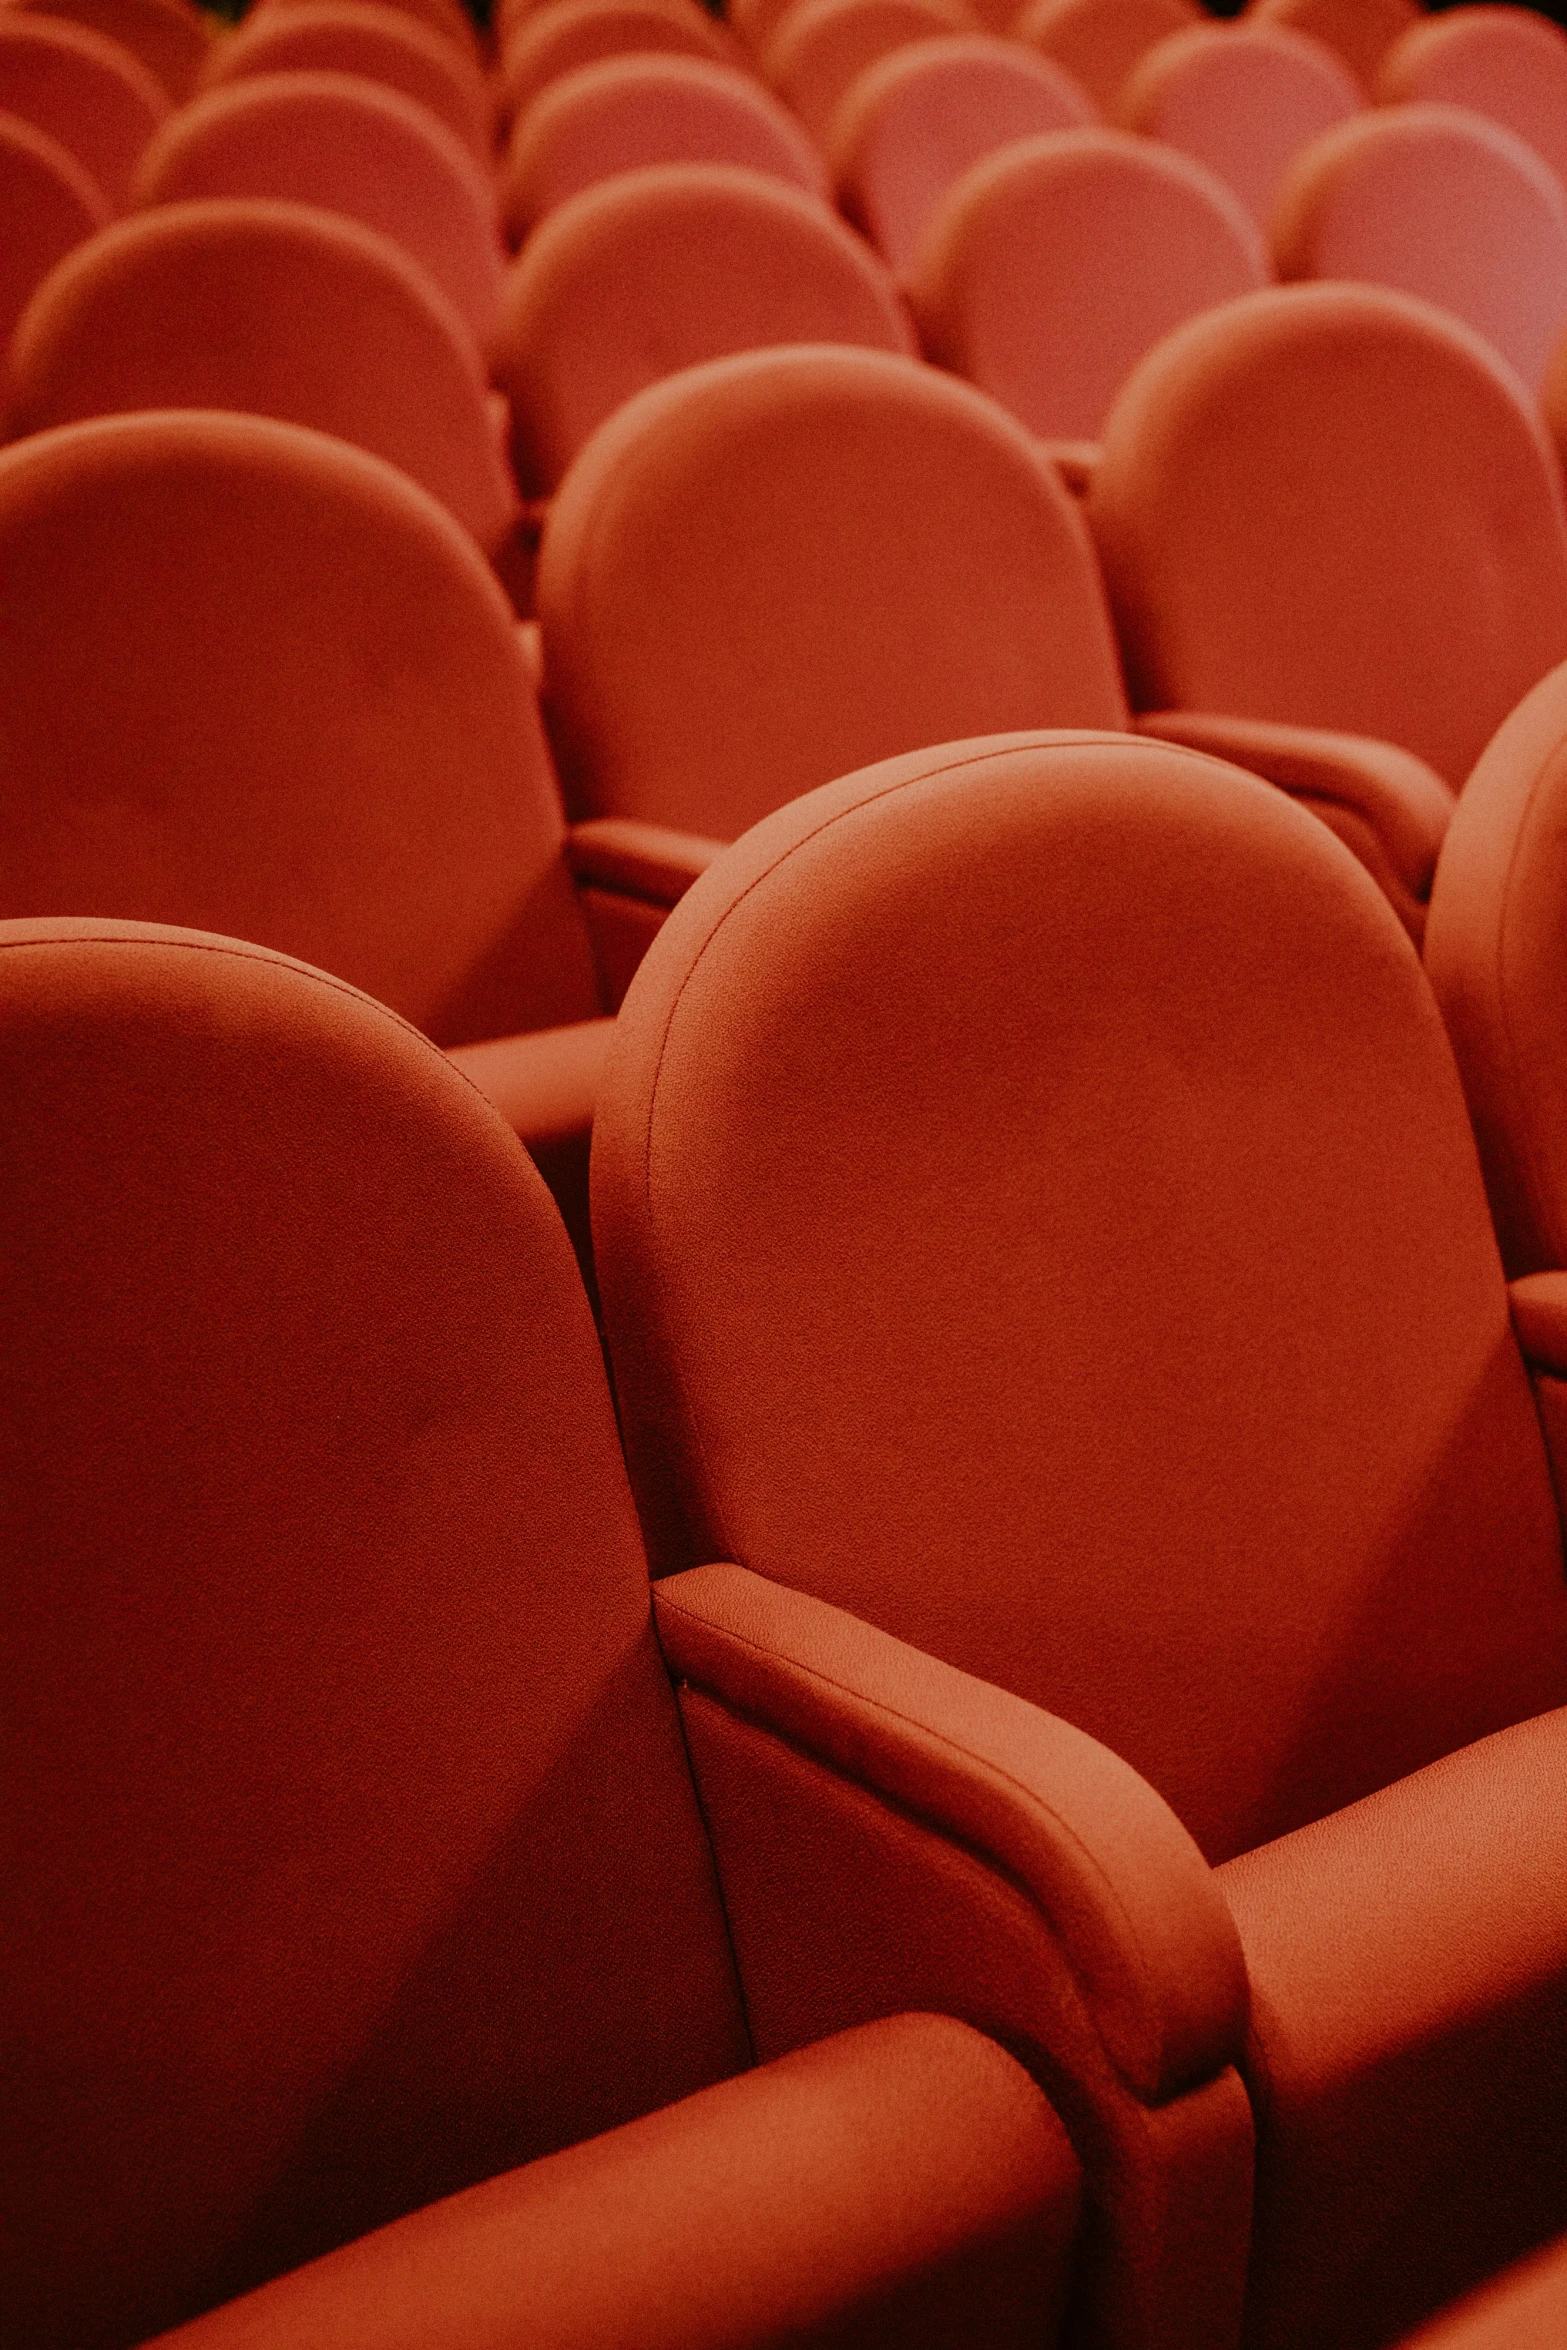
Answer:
(98, 101)
(1359, 31)
(347, 145)
(1440, 203)
(1051, 267)
(1243, 99)
(657, 270)
(1334, 506)
(299, 712)
(627, 113)
(1099, 41)
(771, 569)
(384, 44)
(1035, 1209)
(1507, 63)
(447, 17)
(919, 118)
(48, 203)
(820, 49)
(171, 37)
(352, 1856)
(573, 33)
(1496, 950)
(280, 310)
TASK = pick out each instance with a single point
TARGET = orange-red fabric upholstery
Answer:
(1243, 99)
(1333, 505)
(916, 121)
(628, 112)
(1508, 63)
(1524, 2310)
(171, 37)
(1099, 41)
(447, 17)
(822, 556)
(573, 33)
(281, 310)
(1036, 1210)
(653, 271)
(385, 44)
(820, 48)
(49, 203)
(1360, 31)
(1441, 204)
(95, 98)
(348, 145)
(1051, 267)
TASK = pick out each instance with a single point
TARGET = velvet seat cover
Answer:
(1507, 63)
(1035, 1208)
(49, 203)
(573, 33)
(1439, 203)
(1333, 505)
(821, 556)
(656, 270)
(353, 1852)
(915, 122)
(171, 37)
(1524, 2310)
(347, 145)
(1243, 99)
(1360, 31)
(821, 47)
(449, 18)
(298, 711)
(627, 113)
(97, 100)
(1099, 41)
(384, 44)
(1051, 267)
(280, 310)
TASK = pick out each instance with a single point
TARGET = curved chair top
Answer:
(572, 33)
(49, 202)
(1099, 41)
(1359, 31)
(384, 44)
(1507, 63)
(447, 17)
(819, 50)
(85, 91)
(171, 37)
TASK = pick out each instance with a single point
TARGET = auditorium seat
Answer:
(171, 37)
(1507, 63)
(626, 113)
(1524, 2310)
(384, 44)
(914, 122)
(655, 270)
(1036, 1211)
(280, 310)
(347, 145)
(1333, 507)
(1359, 31)
(1242, 99)
(48, 203)
(84, 91)
(1099, 41)
(820, 48)
(360, 1911)
(573, 33)
(447, 17)
(1440, 203)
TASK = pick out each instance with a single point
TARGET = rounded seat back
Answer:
(298, 709)
(819, 50)
(171, 37)
(449, 18)
(1359, 31)
(383, 44)
(572, 33)
(1051, 267)
(1439, 203)
(98, 101)
(1334, 506)
(1507, 63)
(347, 145)
(1099, 41)
(821, 557)
(49, 203)
(657, 270)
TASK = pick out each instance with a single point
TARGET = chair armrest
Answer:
(1539, 1309)
(892, 1834)
(645, 861)
(545, 1085)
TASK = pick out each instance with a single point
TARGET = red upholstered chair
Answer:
(384, 44)
(917, 120)
(1334, 507)
(171, 37)
(348, 145)
(280, 310)
(820, 48)
(93, 97)
(48, 203)
(1440, 203)
(627, 113)
(1524, 2310)
(356, 1859)
(1360, 31)
(447, 17)
(1099, 41)
(1036, 1211)
(1507, 63)
(1243, 99)
(1051, 267)
(653, 271)
(572, 33)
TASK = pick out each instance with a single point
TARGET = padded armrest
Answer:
(645, 861)
(1539, 1311)
(876, 2177)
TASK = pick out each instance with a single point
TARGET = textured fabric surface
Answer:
(1524, 2310)
(1507, 63)
(50, 203)
(385, 44)
(573, 33)
(447, 17)
(1360, 31)
(820, 48)
(1243, 99)
(1100, 41)
(84, 90)
(170, 37)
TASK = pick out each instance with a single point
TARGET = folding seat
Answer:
(629, 112)
(346, 145)
(171, 37)
(1361, 31)
(1243, 99)
(915, 121)
(447, 17)
(654, 271)
(88, 94)
(1099, 41)
(279, 310)
(1051, 267)
(1524, 2310)
(1440, 203)
(358, 1877)
(48, 203)
(820, 48)
(382, 44)
(573, 33)
(1036, 1212)
(1507, 63)
(1334, 507)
